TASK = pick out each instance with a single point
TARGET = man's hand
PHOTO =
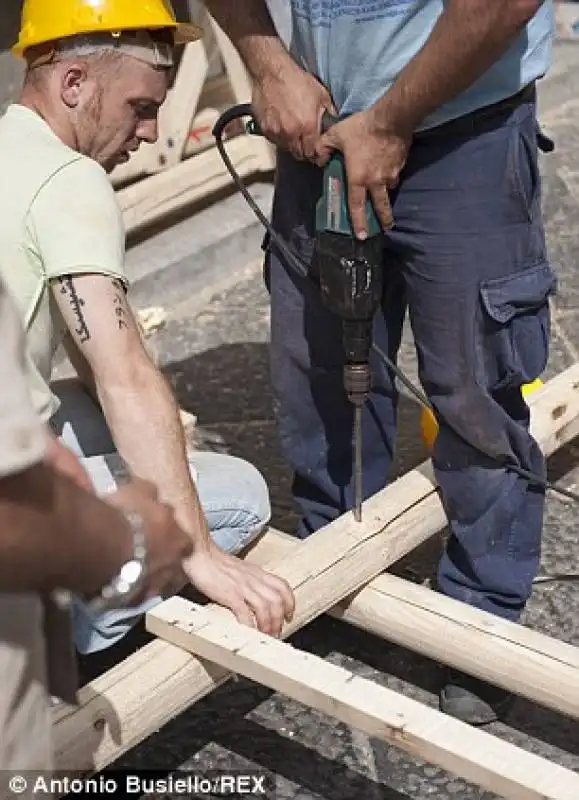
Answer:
(256, 598)
(374, 156)
(289, 105)
(167, 544)
(63, 460)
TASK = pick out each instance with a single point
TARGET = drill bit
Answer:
(358, 463)
(357, 382)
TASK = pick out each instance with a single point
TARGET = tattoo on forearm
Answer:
(76, 303)
(119, 302)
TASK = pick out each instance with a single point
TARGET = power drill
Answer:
(351, 279)
(350, 270)
(351, 282)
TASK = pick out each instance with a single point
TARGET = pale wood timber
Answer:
(141, 694)
(503, 653)
(178, 111)
(190, 181)
(424, 732)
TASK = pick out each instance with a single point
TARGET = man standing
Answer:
(97, 74)
(438, 124)
(54, 536)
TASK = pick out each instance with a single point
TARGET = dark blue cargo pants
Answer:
(467, 258)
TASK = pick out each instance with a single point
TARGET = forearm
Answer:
(468, 38)
(254, 35)
(80, 365)
(146, 427)
(55, 535)
(137, 403)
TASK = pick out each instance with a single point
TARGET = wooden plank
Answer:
(189, 181)
(177, 113)
(453, 633)
(423, 732)
(140, 695)
(135, 698)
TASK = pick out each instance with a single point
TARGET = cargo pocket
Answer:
(513, 338)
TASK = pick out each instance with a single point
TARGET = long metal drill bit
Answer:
(358, 463)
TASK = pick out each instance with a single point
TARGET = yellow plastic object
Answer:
(47, 20)
(428, 428)
(429, 425)
(529, 388)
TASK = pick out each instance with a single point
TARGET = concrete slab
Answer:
(202, 253)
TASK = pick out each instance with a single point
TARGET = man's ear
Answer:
(73, 83)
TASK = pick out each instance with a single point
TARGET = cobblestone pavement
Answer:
(208, 351)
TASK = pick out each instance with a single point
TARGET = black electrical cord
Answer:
(245, 110)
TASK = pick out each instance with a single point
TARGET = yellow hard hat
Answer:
(47, 21)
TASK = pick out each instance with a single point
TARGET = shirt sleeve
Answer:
(77, 224)
(23, 436)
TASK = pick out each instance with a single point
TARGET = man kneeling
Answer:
(90, 97)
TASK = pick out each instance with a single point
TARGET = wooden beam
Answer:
(470, 753)
(190, 181)
(453, 633)
(144, 692)
(177, 113)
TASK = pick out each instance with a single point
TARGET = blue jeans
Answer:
(232, 492)
(467, 259)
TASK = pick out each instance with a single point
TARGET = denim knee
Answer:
(96, 632)
(234, 496)
(235, 499)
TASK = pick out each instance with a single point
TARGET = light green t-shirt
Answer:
(58, 216)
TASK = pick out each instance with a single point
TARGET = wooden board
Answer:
(453, 633)
(190, 181)
(423, 732)
(140, 695)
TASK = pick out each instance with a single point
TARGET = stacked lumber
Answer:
(341, 570)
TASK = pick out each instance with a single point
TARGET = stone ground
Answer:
(214, 348)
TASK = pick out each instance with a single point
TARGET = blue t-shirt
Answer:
(358, 47)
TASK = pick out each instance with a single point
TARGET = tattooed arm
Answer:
(78, 360)
(144, 421)
(136, 400)
(76, 220)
